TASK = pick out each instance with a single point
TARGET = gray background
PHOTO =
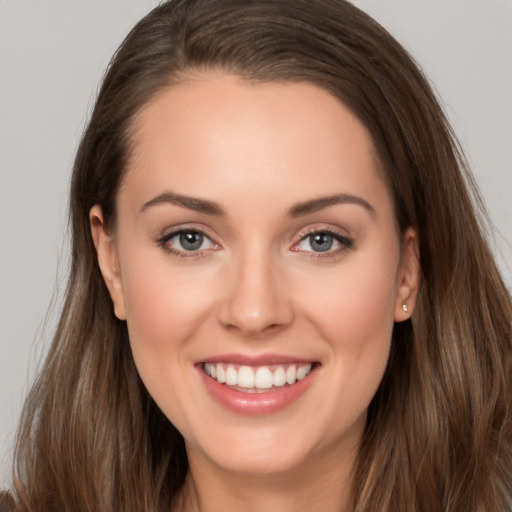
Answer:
(52, 56)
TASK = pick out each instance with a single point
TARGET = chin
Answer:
(269, 450)
(259, 462)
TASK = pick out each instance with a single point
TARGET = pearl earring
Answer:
(405, 308)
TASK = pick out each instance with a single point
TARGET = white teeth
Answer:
(246, 377)
(279, 378)
(302, 371)
(260, 378)
(291, 374)
(221, 374)
(264, 378)
(231, 376)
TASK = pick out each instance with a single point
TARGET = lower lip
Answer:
(259, 403)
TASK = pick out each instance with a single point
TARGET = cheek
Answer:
(355, 319)
(355, 303)
(354, 314)
(165, 307)
(154, 303)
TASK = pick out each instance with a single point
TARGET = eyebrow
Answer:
(298, 210)
(316, 205)
(192, 203)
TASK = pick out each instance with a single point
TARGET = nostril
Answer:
(256, 331)
(255, 302)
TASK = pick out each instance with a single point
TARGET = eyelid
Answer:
(164, 239)
(346, 241)
(340, 236)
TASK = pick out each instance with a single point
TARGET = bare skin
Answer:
(254, 224)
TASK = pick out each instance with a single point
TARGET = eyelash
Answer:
(345, 242)
(163, 242)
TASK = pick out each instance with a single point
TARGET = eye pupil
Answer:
(321, 242)
(191, 240)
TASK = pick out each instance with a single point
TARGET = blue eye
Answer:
(186, 242)
(323, 242)
(190, 240)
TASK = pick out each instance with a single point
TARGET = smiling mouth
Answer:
(258, 379)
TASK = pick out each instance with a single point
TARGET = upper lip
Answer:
(256, 360)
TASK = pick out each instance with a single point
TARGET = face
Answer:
(258, 264)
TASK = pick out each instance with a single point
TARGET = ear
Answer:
(408, 276)
(107, 260)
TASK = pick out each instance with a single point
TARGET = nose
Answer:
(255, 300)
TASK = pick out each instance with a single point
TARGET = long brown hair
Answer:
(439, 431)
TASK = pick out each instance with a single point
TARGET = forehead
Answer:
(216, 131)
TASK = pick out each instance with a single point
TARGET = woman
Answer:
(280, 295)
